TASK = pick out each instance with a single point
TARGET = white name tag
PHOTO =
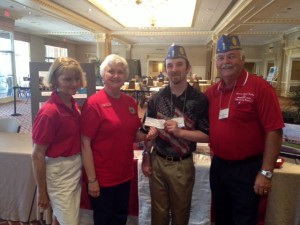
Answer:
(224, 113)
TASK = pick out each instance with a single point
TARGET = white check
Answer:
(159, 123)
(151, 122)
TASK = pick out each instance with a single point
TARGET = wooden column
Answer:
(214, 72)
(281, 65)
(107, 44)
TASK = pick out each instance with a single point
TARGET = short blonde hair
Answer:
(113, 59)
(62, 65)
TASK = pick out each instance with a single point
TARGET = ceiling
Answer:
(257, 22)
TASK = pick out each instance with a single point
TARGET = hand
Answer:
(171, 126)
(43, 199)
(152, 134)
(146, 165)
(262, 185)
(94, 189)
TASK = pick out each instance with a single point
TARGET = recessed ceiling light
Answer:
(144, 13)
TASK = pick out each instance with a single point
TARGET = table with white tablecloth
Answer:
(17, 183)
(283, 207)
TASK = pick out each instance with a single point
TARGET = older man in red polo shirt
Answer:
(245, 137)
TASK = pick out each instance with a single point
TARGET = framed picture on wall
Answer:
(272, 74)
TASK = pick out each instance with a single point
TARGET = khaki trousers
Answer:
(171, 187)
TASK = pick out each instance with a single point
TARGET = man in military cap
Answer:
(245, 137)
(170, 165)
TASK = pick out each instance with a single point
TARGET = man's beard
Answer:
(176, 78)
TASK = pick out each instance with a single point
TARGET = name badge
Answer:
(224, 113)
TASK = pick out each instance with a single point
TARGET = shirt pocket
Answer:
(244, 111)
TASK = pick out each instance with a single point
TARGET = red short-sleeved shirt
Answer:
(112, 125)
(57, 125)
(253, 110)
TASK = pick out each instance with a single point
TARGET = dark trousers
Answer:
(234, 199)
(111, 207)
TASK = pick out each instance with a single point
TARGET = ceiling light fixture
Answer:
(141, 14)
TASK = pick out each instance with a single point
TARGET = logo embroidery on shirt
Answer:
(132, 110)
(244, 97)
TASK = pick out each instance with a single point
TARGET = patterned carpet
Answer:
(23, 107)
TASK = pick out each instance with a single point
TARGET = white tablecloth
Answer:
(16, 177)
(284, 200)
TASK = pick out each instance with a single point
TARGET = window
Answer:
(6, 65)
(53, 52)
(22, 55)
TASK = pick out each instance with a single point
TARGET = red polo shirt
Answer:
(57, 125)
(253, 110)
(112, 125)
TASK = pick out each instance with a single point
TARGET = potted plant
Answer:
(292, 114)
(296, 98)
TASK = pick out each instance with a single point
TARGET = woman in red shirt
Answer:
(109, 126)
(56, 151)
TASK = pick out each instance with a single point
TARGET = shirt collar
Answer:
(241, 81)
(58, 100)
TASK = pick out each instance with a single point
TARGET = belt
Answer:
(172, 158)
(240, 162)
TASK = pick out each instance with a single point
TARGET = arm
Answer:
(146, 163)
(88, 163)
(272, 149)
(171, 126)
(39, 172)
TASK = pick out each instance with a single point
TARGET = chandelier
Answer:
(149, 13)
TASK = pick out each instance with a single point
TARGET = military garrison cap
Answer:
(228, 43)
(176, 51)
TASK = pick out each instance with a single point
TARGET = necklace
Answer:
(172, 114)
(224, 113)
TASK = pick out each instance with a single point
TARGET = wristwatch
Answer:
(266, 173)
(145, 152)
